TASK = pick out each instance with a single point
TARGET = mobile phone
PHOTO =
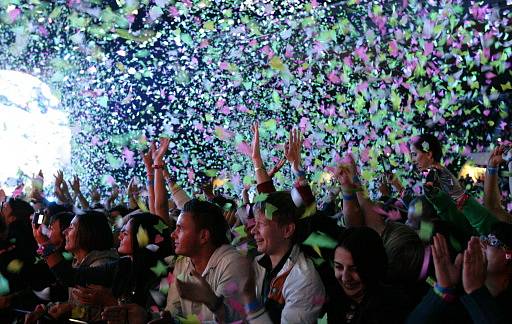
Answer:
(38, 218)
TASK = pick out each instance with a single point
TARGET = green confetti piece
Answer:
(320, 240)
(277, 64)
(160, 226)
(455, 243)
(240, 230)
(67, 256)
(426, 231)
(142, 206)
(269, 210)
(211, 173)
(190, 319)
(310, 211)
(160, 269)
(261, 197)
(4, 286)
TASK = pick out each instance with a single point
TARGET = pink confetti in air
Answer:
(361, 53)
(393, 48)
(223, 65)
(18, 191)
(130, 18)
(42, 30)
(174, 11)
(486, 112)
(404, 148)
(361, 87)
(490, 75)
(204, 43)
(289, 51)
(428, 48)
(244, 148)
(347, 60)
(333, 78)
(220, 103)
(191, 175)
(128, 157)
(110, 180)
(187, 3)
(314, 3)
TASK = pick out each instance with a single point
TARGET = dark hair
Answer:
(21, 209)
(210, 217)
(122, 210)
(53, 208)
(64, 219)
(405, 251)
(429, 143)
(286, 211)
(94, 231)
(503, 232)
(368, 254)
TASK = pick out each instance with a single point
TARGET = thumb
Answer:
(458, 261)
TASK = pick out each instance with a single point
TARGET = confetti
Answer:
(15, 266)
(142, 237)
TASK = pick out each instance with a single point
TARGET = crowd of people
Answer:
(282, 257)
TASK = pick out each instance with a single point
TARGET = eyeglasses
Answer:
(493, 241)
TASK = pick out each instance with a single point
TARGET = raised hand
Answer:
(447, 273)
(148, 156)
(75, 185)
(162, 149)
(293, 148)
(256, 153)
(496, 157)
(95, 194)
(474, 267)
(277, 167)
(94, 295)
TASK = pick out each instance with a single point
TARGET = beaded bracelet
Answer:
(349, 196)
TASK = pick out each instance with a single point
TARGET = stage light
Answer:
(34, 131)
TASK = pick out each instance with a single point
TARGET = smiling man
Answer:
(287, 283)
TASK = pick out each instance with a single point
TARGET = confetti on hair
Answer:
(67, 256)
(142, 237)
(426, 231)
(309, 211)
(158, 238)
(190, 319)
(160, 227)
(240, 231)
(269, 210)
(261, 197)
(152, 247)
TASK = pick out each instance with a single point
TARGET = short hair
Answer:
(94, 233)
(405, 252)
(368, 253)
(64, 219)
(210, 217)
(429, 143)
(286, 212)
(21, 209)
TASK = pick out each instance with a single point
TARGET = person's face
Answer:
(125, 239)
(55, 235)
(346, 273)
(187, 239)
(71, 234)
(5, 210)
(422, 160)
(269, 235)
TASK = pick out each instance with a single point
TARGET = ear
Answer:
(204, 236)
(288, 230)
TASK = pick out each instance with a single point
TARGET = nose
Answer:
(254, 229)
(345, 275)
(173, 235)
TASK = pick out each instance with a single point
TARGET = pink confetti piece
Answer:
(244, 148)
(128, 157)
(170, 278)
(333, 78)
(289, 51)
(174, 11)
(154, 309)
(428, 48)
(158, 238)
(393, 48)
(360, 52)
(14, 14)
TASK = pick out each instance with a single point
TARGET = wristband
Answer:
(299, 173)
(253, 306)
(444, 290)
(349, 196)
(258, 168)
(492, 171)
(46, 250)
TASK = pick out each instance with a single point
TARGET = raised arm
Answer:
(160, 193)
(492, 196)
(259, 168)
(150, 175)
(352, 214)
(75, 186)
